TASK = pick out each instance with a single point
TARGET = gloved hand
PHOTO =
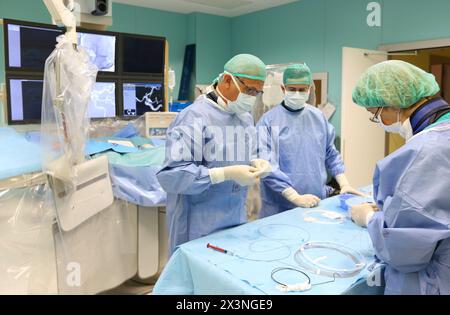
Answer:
(346, 188)
(263, 166)
(362, 214)
(303, 201)
(244, 175)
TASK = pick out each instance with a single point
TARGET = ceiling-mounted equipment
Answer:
(100, 7)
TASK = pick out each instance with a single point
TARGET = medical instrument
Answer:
(354, 260)
(299, 287)
(80, 188)
(305, 286)
(323, 217)
(156, 124)
(221, 250)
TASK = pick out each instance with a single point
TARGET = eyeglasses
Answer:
(376, 117)
(301, 90)
(249, 90)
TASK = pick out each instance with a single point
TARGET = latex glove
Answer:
(362, 214)
(244, 175)
(346, 188)
(303, 201)
(263, 166)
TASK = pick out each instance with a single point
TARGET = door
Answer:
(362, 143)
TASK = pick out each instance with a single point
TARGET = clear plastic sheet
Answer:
(37, 257)
(114, 127)
(68, 82)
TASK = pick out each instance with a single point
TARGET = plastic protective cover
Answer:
(37, 256)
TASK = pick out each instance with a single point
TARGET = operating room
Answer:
(224, 148)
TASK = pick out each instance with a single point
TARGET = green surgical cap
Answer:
(394, 83)
(297, 74)
(246, 66)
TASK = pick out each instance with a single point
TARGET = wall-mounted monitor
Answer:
(143, 55)
(28, 47)
(25, 100)
(129, 81)
(140, 98)
(25, 104)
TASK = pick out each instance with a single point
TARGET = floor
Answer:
(131, 287)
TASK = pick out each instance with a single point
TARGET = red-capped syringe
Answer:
(221, 250)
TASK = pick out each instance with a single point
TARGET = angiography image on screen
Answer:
(139, 98)
(103, 100)
(26, 100)
(101, 49)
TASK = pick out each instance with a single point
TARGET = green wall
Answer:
(213, 40)
(314, 31)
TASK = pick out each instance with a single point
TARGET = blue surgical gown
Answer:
(300, 156)
(411, 233)
(196, 207)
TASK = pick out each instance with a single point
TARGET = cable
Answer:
(266, 234)
(304, 260)
(251, 249)
(299, 287)
(276, 270)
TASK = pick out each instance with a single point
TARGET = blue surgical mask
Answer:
(406, 130)
(394, 128)
(243, 104)
(296, 100)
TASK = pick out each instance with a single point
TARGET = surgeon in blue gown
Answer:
(299, 143)
(211, 155)
(410, 224)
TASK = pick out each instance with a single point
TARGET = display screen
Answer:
(29, 47)
(139, 98)
(101, 50)
(26, 100)
(142, 55)
(103, 100)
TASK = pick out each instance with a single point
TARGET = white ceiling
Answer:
(228, 8)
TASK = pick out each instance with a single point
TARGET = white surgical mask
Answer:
(406, 130)
(243, 104)
(394, 128)
(296, 100)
